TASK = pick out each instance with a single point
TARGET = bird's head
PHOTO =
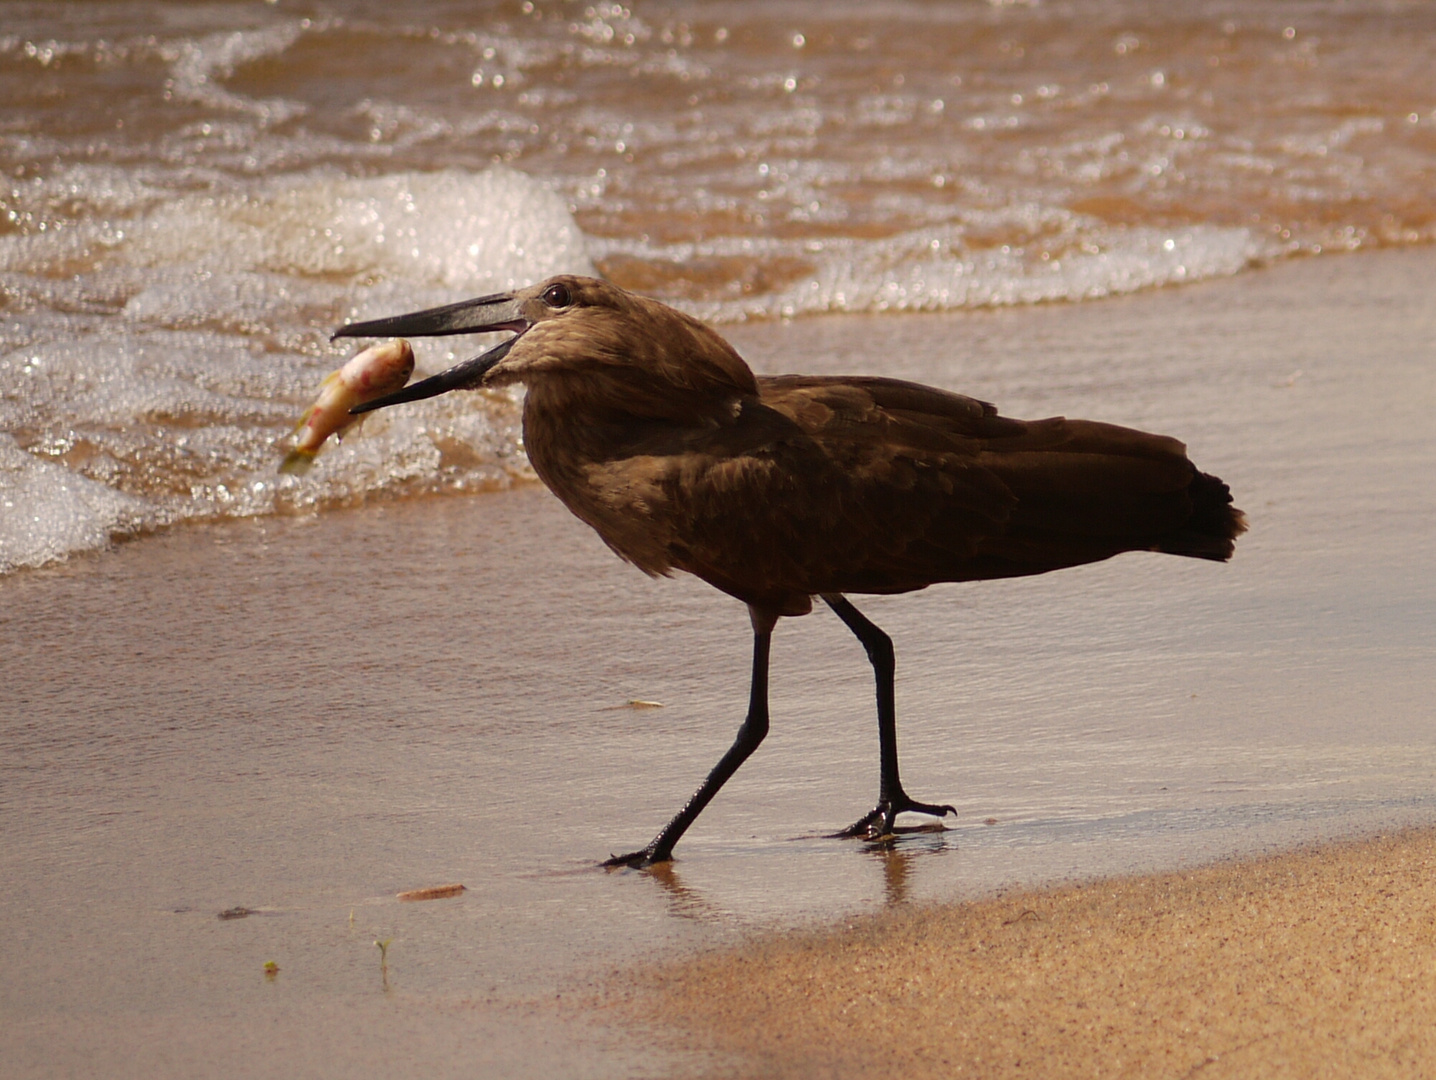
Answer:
(569, 325)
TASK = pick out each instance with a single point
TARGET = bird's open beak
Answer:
(486, 314)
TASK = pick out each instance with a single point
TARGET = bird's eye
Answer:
(557, 296)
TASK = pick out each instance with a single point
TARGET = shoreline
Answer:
(1311, 963)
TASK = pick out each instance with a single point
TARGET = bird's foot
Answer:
(879, 821)
(638, 860)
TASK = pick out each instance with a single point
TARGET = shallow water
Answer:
(306, 715)
(195, 194)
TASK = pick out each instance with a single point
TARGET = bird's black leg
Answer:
(755, 727)
(892, 799)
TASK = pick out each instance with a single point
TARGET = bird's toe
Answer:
(937, 810)
(880, 822)
(863, 826)
(635, 859)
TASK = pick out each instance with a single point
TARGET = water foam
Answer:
(891, 277)
(48, 512)
(180, 409)
(198, 67)
(449, 229)
(1056, 256)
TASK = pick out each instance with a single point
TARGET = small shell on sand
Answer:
(434, 892)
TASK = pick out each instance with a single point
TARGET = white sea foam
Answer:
(48, 512)
(449, 230)
(159, 385)
(198, 68)
(892, 277)
(1067, 257)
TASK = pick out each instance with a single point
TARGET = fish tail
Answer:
(297, 462)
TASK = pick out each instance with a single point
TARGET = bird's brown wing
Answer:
(880, 485)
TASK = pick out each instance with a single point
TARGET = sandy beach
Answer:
(1317, 963)
(304, 716)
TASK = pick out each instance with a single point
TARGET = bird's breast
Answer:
(622, 495)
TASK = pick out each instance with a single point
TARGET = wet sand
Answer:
(1313, 964)
(307, 716)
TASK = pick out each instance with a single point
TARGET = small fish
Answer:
(378, 370)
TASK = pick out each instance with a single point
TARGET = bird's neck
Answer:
(597, 412)
(607, 451)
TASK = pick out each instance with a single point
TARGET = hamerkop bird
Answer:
(651, 428)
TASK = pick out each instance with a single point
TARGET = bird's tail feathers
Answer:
(1211, 531)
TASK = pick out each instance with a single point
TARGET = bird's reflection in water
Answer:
(899, 851)
(683, 902)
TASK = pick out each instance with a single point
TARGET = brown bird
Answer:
(777, 489)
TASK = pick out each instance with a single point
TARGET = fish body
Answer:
(378, 370)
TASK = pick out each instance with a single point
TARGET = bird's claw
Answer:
(861, 827)
(636, 860)
(878, 823)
